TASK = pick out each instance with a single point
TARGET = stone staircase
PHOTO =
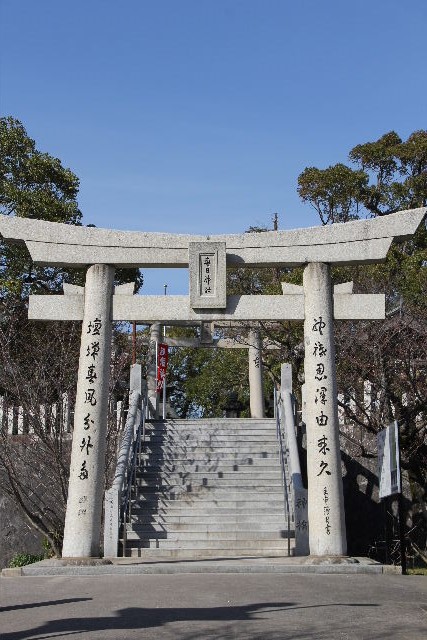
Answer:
(209, 488)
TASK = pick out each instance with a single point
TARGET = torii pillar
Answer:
(327, 532)
(85, 488)
(255, 374)
(153, 395)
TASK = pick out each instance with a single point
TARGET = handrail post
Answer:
(283, 468)
(298, 491)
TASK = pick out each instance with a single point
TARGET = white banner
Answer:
(389, 461)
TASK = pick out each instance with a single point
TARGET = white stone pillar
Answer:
(42, 418)
(66, 413)
(153, 396)
(9, 418)
(367, 397)
(86, 484)
(119, 415)
(256, 392)
(20, 421)
(341, 411)
(135, 379)
(325, 493)
(53, 417)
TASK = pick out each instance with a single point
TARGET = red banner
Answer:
(162, 365)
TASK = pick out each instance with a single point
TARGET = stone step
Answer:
(210, 469)
(254, 441)
(171, 453)
(243, 443)
(192, 483)
(211, 428)
(215, 496)
(255, 434)
(216, 422)
(240, 484)
(218, 544)
(243, 463)
(210, 433)
(183, 493)
(176, 436)
(228, 465)
(247, 529)
(244, 473)
(153, 555)
(211, 483)
(176, 517)
(234, 491)
(208, 507)
(188, 517)
(209, 522)
(162, 504)
(140, 533)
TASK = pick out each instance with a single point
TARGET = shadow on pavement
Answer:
(48, 603)
(134, 618)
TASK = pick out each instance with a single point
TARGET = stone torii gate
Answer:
(253, 344)
(101, 250)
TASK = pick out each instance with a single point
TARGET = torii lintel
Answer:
(360, 241)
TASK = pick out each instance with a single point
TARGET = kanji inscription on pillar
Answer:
(83, 517)
(325, 501)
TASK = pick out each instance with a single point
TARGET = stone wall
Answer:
(16, 535)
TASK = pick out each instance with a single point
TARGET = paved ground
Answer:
(220, 606)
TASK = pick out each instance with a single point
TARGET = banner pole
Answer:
(401, 510)
(164, 379)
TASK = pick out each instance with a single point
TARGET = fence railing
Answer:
(48, 418)
(56, 418)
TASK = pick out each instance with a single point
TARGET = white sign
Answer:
(389, 461)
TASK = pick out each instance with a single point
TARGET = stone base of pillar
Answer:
(314, 560)
(75, 562)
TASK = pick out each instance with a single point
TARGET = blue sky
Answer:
(197, 116)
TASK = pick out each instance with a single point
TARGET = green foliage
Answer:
(202, 379)
(398, 170)
(22, 559)
(36, 185)
(390, 175)
(48, 551)
(32, 185)
(334, 192)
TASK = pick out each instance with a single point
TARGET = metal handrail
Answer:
(130, 482)
(277, 402)
(118, 499)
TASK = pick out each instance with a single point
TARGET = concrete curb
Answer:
(12, 572)
(129, 567)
